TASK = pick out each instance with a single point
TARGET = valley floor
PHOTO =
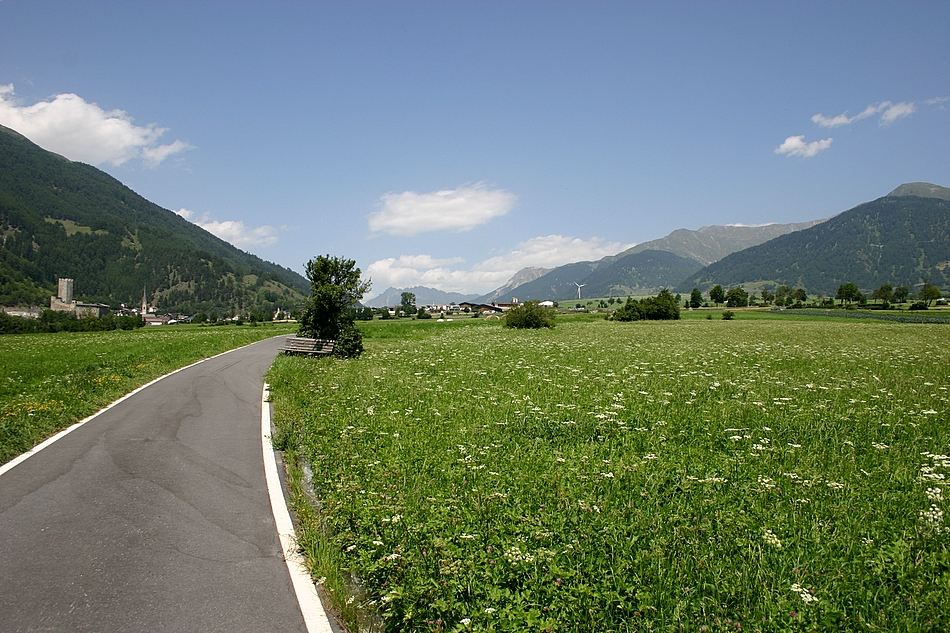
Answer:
(768, 474)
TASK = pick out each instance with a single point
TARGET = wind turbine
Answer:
(579, 286)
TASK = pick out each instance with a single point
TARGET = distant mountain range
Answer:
(634, 273)
(523, 276)
(424, 296)
(711, 243)
(901, 239)
(644, 268)
(60, 218)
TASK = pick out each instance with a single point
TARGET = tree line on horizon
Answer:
(786, 296)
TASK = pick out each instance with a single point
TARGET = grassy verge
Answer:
(693, 475)
(49, 381)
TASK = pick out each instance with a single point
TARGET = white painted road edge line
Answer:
(50, 440)
(314, 616)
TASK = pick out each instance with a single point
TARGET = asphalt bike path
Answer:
(153, 516)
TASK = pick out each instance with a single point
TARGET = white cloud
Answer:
(155, 155)
(79, 130)
(834, 121)
(233, 231)
(843, 118)
(888, 110)
(466, 207)
(938, 102)
(797, 146)
(895, 111)
(545, 251)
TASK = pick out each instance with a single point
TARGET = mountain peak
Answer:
(921, 190)
(711, 243)
(523, 276)
(424, 296)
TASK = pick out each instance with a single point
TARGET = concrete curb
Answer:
(314, 615)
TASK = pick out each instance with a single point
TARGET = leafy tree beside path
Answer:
(330, 312)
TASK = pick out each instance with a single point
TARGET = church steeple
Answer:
(144, 309)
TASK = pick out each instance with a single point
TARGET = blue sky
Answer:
(449, 144)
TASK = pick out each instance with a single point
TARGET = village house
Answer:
(481, 307)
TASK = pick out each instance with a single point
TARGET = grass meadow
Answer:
(700, 475)
(50, 381)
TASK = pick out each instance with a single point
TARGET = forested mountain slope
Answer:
(898, 239)
(68, 219)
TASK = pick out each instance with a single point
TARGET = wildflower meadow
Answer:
(695, 475)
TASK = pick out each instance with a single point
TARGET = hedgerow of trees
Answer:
(664, 306)
(53, 321)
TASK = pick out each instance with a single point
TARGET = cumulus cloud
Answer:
(888, 111)
(80, 130)
(797, 146)
(233, 231)
(460, 209)
(545, 251)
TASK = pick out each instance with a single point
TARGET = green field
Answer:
(759, 474)
(49, 381)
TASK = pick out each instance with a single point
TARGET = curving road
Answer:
(154, 516)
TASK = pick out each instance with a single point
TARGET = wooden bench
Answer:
(307, 346)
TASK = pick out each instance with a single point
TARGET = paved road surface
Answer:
(152, 517)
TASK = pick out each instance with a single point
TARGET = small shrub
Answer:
(728, 315)
(918, 305)
(349, 343)
(530, 315)
(423, 314)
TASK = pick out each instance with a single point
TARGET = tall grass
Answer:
(696, 475)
